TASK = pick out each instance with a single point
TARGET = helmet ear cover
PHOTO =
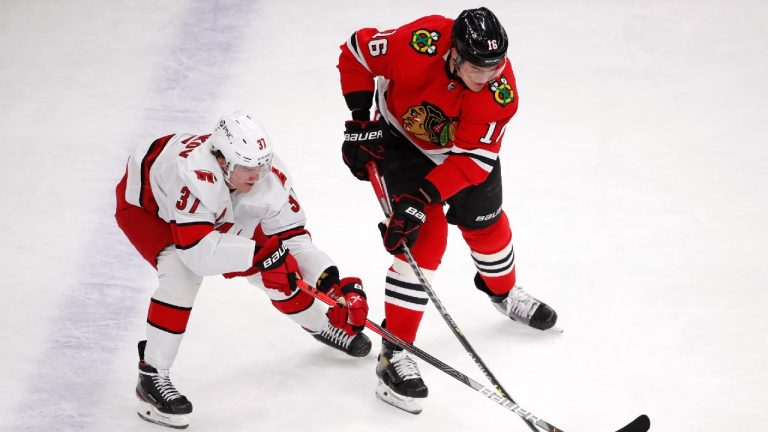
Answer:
(479, 37)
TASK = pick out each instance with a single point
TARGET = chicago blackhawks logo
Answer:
(423, 41)
(502, 91)
(430, 124)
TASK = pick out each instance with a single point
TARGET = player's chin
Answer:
(476, 87)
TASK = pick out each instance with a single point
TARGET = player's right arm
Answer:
(203, 249)
(363, 58)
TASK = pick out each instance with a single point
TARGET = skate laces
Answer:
(336, 335)
(162, 380)
(521, 303)
(405, 365)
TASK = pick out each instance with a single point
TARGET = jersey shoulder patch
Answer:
(202, 175)
(280, 171)
(502, 91)
(428, 36)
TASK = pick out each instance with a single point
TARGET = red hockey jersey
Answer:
(458, 129)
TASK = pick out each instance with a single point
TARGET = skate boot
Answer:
(399, 379)
(520, 306)
(357, 346)
(159, 401)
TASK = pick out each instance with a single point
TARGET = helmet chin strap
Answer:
(227, 174)
(455, 61)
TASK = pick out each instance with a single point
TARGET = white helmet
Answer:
(242, 140)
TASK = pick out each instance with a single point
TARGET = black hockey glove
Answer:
(407, 217)
(363, 142)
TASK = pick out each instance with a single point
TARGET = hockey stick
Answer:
(380, 188)
(640, 424)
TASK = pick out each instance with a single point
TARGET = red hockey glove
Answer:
(407, 217)
(352, 314)
(277, 266)
(363, 142)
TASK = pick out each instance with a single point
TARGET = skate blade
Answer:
(554, 329)
(405, 403)
(151, 414)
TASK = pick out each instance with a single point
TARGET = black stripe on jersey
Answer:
(407, 298)
(406, 285)
(291, 233)
(483, 159)
(146, 164)
(189, 246)
(191, 223)
(353, 42)
(492, 263)
(172, 306)
(187, 225)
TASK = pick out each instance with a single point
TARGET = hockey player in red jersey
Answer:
(199, 205)
(445, 92)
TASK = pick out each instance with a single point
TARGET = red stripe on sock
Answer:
(402, 322)
(298, 303)
(170, 318)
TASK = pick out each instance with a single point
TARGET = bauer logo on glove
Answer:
(416, 213)
(276, 257)
(363, 136)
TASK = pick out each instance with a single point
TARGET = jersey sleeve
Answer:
(312, 261)
(476, 146)
(371, 52)
(362, 59)
(203, 249)
(284, 218)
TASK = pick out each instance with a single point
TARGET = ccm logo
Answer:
(363, 136)
(275, 258)
(417, 214)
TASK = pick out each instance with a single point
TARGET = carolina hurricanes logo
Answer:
(206, 176)
(502, 91)
(429, 123)
(423, 41)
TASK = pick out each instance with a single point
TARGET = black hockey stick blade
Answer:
(641, 424)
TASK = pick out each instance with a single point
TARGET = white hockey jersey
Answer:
(272, 208)
(179, 179)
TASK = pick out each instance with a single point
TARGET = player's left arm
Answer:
(478, 138)
(470, 161)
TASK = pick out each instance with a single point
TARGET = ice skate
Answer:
(522, 307)
(356, 346)
(400, 381)
(159, 401)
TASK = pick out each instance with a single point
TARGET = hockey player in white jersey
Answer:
(175, 205)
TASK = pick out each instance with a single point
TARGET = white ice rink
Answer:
(635, 181)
